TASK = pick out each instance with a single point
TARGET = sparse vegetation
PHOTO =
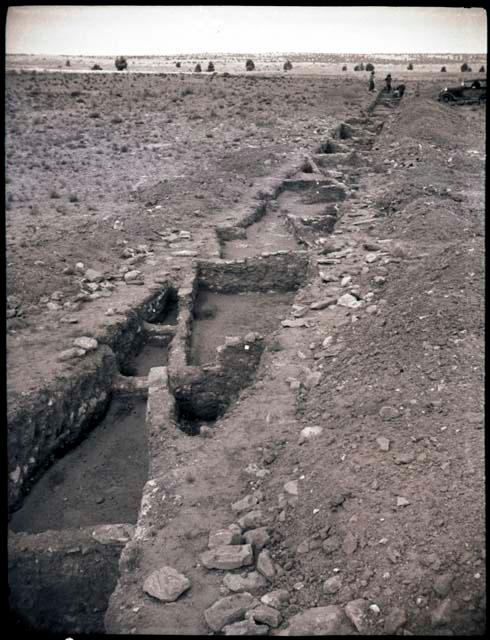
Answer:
(178, 65)
(369, 66)
(121, 63)
(359, 67)
(210, 68)
(344, 68)
(410, 66)
(465, 68)
(481, 69)
(68, 63)
(443, 69)
(197, 68)
(287, 65)
(250, 65)
(96, 67)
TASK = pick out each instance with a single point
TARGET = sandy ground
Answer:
(99, 163)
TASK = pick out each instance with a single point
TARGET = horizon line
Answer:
(261, 53)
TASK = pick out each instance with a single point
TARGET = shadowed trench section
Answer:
(77, 510)
(237, 305)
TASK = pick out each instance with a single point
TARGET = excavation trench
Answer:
(80, 470)
(75, 511)
(73, 517)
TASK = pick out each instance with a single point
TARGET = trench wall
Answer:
(280, 271)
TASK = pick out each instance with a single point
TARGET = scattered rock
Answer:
(113, 533)
(265, 565)
(323, 304)
(258, 538)
(93, 276)
(328, 277)
(232, 535)
(166, 584)
(384, 443)
(319, 621)
(309, 432)
(332, 585)
(87, 343)
(267, 615)
(246, 503)
(245, 628)
(404, 458)
(297, 322)
(356, 611)
(133, 277)
(252, 520)
(402, 502)
(251, 582)
(371, 246)
(330, 545)
(441, 615)
(291, 487)
(69, 354)
(442, 584)
(348, 300)
(228, 610)
(303, 547)
(228, 557)
(275, 598)
(394, 620)
(371, 257)
(388, 413)
(313, 379)
(350, 543)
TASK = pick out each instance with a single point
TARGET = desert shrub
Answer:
(249, 65)
(369, 67)
(482, 69)
(410, 66)
(178, 65)
(121, 63)
(226, 74)
(197, 68)
(287, 65)
(443, 69)
(344, 68)
(210, 68)
(68, 63)
(96, 67)
(73, 197)
(359, 67)
(186, 91)
(464, 67)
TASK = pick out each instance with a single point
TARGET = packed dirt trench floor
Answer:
(245, 348)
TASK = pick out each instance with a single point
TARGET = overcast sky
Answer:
(168, 30)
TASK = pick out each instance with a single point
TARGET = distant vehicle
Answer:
(467, 91)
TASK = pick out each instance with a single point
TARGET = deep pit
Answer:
(217, 315)
(99, 481)
(152, 354)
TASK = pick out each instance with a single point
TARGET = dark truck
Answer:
(467, 92)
